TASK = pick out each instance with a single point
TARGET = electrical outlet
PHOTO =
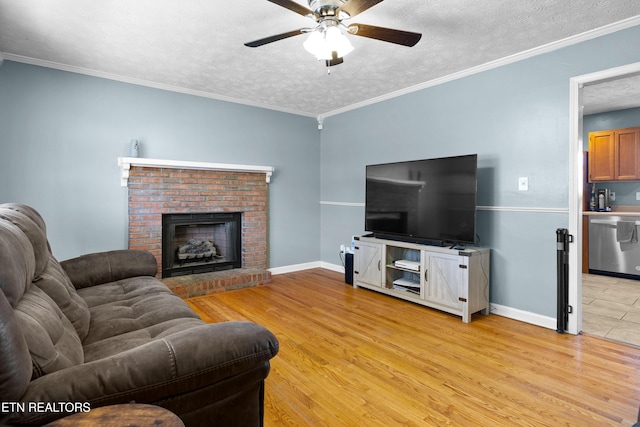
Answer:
(613, 196)
(523, 183)
(342, 249)
(638, 195)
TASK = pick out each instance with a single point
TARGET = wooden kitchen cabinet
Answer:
(627, 143)
(601, 155)
(614, 155)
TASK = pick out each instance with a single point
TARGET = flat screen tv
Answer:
(428, 201)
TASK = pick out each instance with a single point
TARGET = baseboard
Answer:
(295, 267)
(524, 316)
(333, 267)
(306, 266)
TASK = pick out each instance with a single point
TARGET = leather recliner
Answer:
(101, 329)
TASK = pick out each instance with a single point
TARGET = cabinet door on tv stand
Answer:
(445, 280)
(368, 264)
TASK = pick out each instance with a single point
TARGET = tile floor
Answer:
(611, 308)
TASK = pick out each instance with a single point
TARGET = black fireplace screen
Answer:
(201, 243)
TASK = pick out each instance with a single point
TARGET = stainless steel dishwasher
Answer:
(607, 254)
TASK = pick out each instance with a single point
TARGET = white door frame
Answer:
(574, 325)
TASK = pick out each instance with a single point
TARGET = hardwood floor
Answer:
(353, 357)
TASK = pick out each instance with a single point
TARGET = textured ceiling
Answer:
(613, 95)
(197, 45)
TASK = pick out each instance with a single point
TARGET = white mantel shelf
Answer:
(125, 164)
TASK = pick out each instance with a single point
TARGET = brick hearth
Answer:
(195, 285)
(154, 191)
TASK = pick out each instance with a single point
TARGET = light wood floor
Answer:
(352, 357)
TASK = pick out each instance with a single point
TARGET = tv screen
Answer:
(431, 200)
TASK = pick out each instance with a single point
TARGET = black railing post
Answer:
(563, 238)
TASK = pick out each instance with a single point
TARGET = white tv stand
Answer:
(452, 280)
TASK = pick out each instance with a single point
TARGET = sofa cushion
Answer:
(15, 361)
(28, 211)
(17, 262)
(122, 290)
(105, 267)
(53, 342)
(133, 304)
(32, 225)
(47, 274)
(55, 283)
(117, 344)
(132, 312)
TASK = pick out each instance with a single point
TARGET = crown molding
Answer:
(146, 83)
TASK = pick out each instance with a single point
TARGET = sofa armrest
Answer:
(167, 367)
(104, 267)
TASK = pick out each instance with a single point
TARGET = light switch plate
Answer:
(523, 183)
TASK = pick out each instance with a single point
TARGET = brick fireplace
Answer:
(156, 190)
(200, 242)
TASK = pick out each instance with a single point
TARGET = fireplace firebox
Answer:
(195, 243)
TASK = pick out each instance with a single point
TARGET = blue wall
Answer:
(516, 117)
(61, 134)
(625, 191)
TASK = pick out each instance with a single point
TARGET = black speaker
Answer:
(348, 268)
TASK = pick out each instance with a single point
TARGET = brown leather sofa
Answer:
(100, 330)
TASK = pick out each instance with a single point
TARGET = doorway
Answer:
(576, 178)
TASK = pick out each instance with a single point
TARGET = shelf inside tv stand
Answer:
(395, 267)
(452, 280)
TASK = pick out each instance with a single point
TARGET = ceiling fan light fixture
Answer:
(315, 44)
(328, 40)
(337, 41)
(322, 42)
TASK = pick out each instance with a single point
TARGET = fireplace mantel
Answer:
(125, 164)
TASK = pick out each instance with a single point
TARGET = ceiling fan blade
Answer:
(293, 6)
(405, 38)
(354, 7)
(272, 39)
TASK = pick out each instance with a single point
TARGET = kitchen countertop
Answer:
(617, 211)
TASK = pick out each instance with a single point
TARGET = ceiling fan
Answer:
(327, 40)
